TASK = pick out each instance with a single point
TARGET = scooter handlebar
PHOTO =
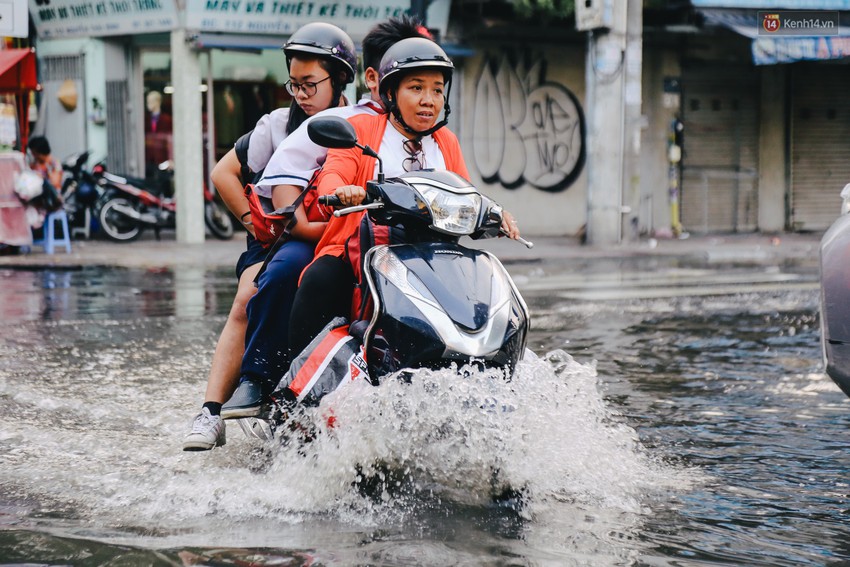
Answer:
(330, 200)
(334, 201)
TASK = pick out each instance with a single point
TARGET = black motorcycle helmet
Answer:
(86, 193)
(329, 43)
(324, 40)
(408, 55)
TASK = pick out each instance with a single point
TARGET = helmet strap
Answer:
(337, 93)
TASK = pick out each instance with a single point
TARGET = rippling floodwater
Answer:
(675, 428)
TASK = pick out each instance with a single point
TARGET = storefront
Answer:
(819, 149)
(121, 58)
(240, 87)
(721, 131)
(765, 131)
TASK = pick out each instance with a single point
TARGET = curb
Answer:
(749, 248)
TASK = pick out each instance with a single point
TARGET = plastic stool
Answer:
(50, 241)
(85, 230)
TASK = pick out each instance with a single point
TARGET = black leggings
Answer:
(325, 292)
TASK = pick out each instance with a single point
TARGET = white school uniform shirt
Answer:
(269, 132)
(297, 157)
(393, 154)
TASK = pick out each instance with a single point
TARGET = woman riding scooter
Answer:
(415, 78)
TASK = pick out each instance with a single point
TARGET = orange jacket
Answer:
(351, 167)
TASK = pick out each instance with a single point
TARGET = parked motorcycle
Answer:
(82, 193)
(134, 205)
(435, 302)
(835, 296)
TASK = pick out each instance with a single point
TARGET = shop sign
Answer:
(769, 50)
(13, 19)
(784, 4)
(282, 17)
(55, 19)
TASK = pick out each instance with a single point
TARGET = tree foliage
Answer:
(546, 9)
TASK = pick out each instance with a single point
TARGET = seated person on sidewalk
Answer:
(50, 170)
(317, 76)
(415, 77)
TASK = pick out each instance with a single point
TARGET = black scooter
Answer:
(436, 303)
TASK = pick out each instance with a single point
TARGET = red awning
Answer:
(18, 77)
(17, 71)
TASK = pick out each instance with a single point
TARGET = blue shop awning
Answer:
(770, 50)
(775, 5)
(237, 42)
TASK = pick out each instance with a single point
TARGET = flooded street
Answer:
(674, 413)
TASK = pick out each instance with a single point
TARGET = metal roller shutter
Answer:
(118, 127)
(65, 129)
(720, 158)
(820, 143)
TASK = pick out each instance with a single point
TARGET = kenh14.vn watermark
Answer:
(788, 22)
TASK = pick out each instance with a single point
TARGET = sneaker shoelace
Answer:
(203, 423)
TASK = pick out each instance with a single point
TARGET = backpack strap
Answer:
(285, 234)
(241, 147)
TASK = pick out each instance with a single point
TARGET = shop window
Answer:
(238, 105)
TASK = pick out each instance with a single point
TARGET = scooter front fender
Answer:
(439, 302)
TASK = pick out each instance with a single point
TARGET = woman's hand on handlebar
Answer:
(509, 226)
(350, 195)
(345, 196)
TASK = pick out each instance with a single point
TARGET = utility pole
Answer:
(188, 141)
(612, 100)
(633, 118)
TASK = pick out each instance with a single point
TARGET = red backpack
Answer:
(269, 224)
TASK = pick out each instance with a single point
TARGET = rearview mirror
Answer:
(332, 132)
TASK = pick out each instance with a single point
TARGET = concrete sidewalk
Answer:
(148, 252)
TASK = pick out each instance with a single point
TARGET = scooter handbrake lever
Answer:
(357, 208)
(528, 244)
(521, 240)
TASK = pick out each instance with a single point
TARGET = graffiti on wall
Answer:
(526, 130)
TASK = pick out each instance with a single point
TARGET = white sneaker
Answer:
(207, 432)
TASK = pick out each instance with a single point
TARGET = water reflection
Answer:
(113, 292)
(190, 299)
(697, 429)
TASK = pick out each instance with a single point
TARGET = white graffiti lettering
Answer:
(526, 130)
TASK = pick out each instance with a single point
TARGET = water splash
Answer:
(458, 437)
(465, 438)
(470, 436)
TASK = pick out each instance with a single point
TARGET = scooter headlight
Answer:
(391, 267)
(452, 213)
